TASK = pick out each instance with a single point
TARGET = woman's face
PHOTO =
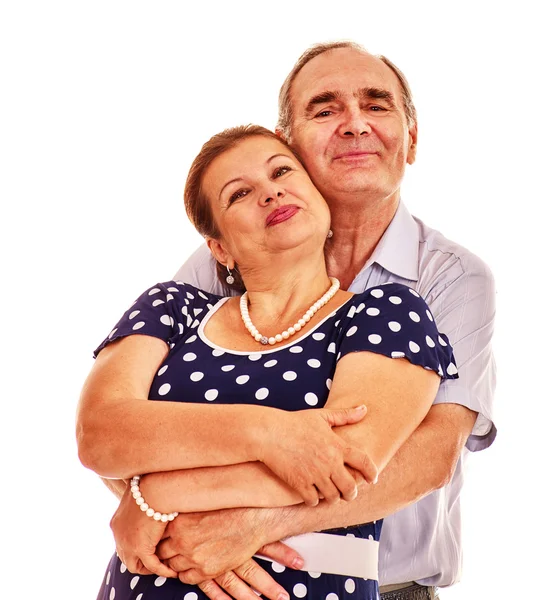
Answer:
(264, 202)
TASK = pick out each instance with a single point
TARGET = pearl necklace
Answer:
(296, 327)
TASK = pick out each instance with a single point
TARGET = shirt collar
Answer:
(397, 250)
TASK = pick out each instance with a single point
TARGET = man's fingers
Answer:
(211, 589)
(254, 575)
(179, 563)
(362, 462)
(236, 587)
(283, 554)
(192, 577)
(153, 564)
(166, 549)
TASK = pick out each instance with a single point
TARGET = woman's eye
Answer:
(236, 195)
(281, 171)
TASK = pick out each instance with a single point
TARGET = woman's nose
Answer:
(272, 194)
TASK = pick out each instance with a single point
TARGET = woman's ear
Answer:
(220, 254)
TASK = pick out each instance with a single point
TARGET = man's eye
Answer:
(236, 195)
(281, 171)
(324, 113)
(376, 108)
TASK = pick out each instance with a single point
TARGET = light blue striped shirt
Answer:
(423, 541)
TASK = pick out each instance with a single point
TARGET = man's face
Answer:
(349, 125)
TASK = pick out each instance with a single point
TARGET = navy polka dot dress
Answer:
(390, 319)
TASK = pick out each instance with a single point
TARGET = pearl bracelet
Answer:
(144, 507)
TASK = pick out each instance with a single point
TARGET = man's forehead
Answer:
(346, 71)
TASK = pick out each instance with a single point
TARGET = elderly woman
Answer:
(240, 383)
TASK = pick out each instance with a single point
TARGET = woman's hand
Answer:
(302, 450)
(136, 537)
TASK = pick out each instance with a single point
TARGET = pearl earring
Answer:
(329, 234)
(230, 280)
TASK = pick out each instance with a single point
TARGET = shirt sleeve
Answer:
(465, 309)
(394, 320)
(200, 271)
(155, 313)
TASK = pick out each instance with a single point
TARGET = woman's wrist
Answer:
(151, 512)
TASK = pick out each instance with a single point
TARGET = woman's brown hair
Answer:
(197, 204)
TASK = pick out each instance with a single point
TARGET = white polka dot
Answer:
(181, 328)
(227, 368)
(271, 363)
(139, 597)
(169, 297)
(314, 363)
(166, 320)
(428, 313)
(211, 395)
(112, 333)
(314, 574)
(134, 581)
(191, 323)
(255, 356)
(311, 399)
(351, 312)
(442, 342)
(352, 331)
(112, 594)
(372, 312)
(191, 596)
(218, 352)
(296, 349)
(157, 302)
(329, 383)
(134, 313)
(172, 289)
(138, 325)
(108, 578)
(332, 347)
(413, 347)
(336, 323)
(451, 369)
(289, 375)
(374, 338)
(187, 301)
(398, 354)
(440, 371)
(332, 596)
(261, 393)
(430, 342)
(414, 292)
(395, 299)
(414, 316)
(360, 308)
(153, 292)
(190, 295)
(242, 379)
(197, 376)
(184, 310)
(350, 535)
(277, 567)
(202, 295)
(300, 590)
(370, 536)
(350, 586)
(197, 311)
(164, 389)
(377, 293)
(162, 370)
(318, 336)
(159, 581)
(191, 339)
(394, 326)
(189, 357)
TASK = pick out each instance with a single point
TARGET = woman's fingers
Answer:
(236, 587)
(343, 416)
(256, 577)
(153, 564)
(211, 589)
(360, 461)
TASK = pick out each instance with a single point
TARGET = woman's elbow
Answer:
(96, 453)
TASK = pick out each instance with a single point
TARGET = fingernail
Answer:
(298, 563)
(283, 597)
(360, 408)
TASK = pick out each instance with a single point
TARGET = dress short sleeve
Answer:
(155, 313)
(394, 320)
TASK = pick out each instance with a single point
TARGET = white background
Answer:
(104, 105)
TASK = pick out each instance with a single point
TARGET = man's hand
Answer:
(136, 537)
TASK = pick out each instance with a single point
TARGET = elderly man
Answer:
(351, 118)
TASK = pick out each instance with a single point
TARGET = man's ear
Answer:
(220, 253)
(413, 144)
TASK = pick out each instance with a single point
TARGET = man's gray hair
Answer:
(285, 114)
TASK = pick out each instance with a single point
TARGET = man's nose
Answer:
(354, 123)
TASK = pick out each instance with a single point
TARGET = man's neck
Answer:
(357, 232)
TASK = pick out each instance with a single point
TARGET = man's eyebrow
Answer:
(378, 94)
(322, 98)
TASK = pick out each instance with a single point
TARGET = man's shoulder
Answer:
(200, 271)
(442, 261)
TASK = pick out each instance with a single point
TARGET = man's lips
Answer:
(281, 214)
(355, 154)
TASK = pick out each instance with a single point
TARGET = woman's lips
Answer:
(281, 214)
